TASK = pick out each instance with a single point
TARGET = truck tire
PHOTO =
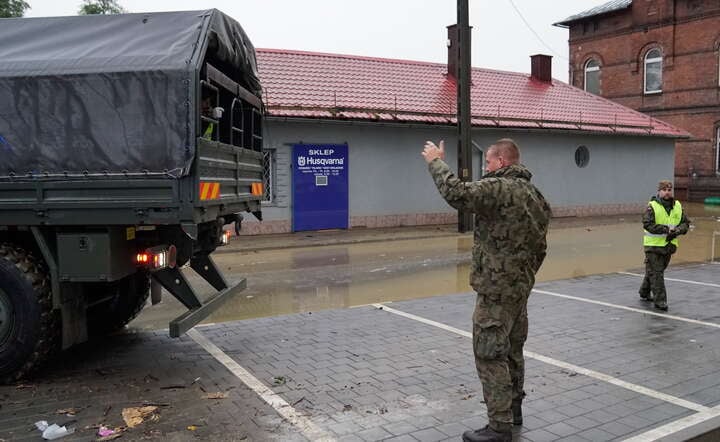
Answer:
(129, 296)
(30, 329)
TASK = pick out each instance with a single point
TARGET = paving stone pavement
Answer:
(365, 374)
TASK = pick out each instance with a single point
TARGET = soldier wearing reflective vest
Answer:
(663, 221)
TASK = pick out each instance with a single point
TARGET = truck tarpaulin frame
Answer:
(110, 95)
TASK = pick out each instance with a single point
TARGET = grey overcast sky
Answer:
(405, 29)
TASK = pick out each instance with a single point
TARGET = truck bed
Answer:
(228, 171)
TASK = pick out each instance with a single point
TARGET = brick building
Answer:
(661, 57)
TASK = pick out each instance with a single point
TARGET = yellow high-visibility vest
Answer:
(209, 131)
(665, 219)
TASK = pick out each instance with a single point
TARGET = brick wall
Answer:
(690, 98)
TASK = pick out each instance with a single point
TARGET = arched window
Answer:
(653, 71)
(592, 76)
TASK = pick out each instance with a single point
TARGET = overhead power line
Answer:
(535, 33)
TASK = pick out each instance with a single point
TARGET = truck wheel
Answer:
(29, 327)
(129, 296)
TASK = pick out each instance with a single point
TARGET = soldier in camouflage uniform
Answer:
(663, 221)
(511, 222)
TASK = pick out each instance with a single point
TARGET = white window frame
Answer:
(591, 69)
(269, 155)
(645, 71)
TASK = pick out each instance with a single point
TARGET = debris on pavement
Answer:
(218, 395)
(105, 433)
(279, 380)
(173, 387)
(135, 416)
(54, 431)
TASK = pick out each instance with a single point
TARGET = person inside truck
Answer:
(206, 110)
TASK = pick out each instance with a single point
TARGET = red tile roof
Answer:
(341, 87)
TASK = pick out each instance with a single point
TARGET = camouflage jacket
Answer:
(511, 223)
(650, 225)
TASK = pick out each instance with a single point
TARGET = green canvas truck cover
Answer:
(110, 95)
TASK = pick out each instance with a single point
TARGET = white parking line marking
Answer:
(580, 370)
(630, 309)
(707, 284)
(676, 426)
(306, 426)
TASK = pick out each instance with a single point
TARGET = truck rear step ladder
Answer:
(173, 280)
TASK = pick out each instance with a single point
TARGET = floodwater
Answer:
(315, 278)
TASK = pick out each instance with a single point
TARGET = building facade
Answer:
(590, 156)
(662, 58)
(389, 184)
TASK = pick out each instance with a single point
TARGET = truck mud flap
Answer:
(174, 281)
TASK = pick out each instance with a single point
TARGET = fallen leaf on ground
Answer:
(69, 411)
(218, 395)
(134, 416)
(279, 380)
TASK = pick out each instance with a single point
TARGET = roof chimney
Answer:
(541, 68)
(453, 51)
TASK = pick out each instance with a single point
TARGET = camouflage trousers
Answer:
(654, 282)
(499, 333)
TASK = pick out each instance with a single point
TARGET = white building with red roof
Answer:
(589, 155)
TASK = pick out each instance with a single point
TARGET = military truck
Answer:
(127, 144)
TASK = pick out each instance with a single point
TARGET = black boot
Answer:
(517, 412)
(516, 408)
(662, 306)
(487, 434)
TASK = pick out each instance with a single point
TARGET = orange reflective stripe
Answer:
(209, 191)
(256, 189)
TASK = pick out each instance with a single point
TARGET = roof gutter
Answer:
(414, 124)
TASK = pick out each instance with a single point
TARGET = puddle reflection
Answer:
(317, 278)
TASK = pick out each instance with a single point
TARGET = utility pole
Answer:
(465, 219)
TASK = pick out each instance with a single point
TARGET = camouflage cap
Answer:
(665, 184)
